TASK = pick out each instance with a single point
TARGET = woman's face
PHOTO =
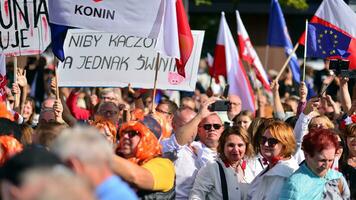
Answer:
(340, 149)
(128, 144)
(234, 148)
(244, 121)
(270, 146)
(27, 110)
(351, 145)
(321, 162)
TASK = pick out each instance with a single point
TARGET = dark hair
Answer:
(235, 130)
(8, 127)
(256, 129)
(319, 139)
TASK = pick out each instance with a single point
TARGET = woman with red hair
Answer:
(140, 162)
(315, 179)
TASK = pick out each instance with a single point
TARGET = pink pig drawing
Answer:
(174, 78)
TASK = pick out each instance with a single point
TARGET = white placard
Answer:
(100, 59)
(24, 28)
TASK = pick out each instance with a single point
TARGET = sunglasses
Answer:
(207, 127)
(271, 142)
(131, 134)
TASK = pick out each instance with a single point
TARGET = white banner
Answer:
(141, 18)
(100, 59)
(24, 28)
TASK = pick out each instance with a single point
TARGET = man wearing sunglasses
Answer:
(192, 155)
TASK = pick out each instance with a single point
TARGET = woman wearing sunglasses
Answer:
(228, 177)
(277, 145)
(315, 179)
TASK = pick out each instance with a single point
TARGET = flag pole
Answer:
(15, 74)
(266, 57)
(155, 82)
(305, 48)
(287, 62)
(56, 77)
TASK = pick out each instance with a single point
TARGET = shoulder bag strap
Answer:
(223, 182)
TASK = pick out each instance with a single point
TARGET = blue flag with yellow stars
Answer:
(325, 42)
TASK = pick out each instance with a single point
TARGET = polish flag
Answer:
(337, 15)
(248, 53)
(3, 80)
(228, 63)
(175, 38)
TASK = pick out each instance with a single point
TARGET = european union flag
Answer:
(326, 42)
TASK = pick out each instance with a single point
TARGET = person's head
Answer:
(48, 103)
(137, 143)
(319, 147)
(86, 151)
(234, 145)
(255, 131)
(26, 134)
(108, 110)
(107, 129)
(8, 127)
(188, 102)
(350, 138)
(244, 119)
(47, 115)
(53, 183)
(29, 109)
(9, 146)
(182, 116)
(277, 142)
(210, 130)
(321, 121)
(235, 106)
(293, 101)
(47, 132)
(13, 172)
(167, 108)
(108, 95)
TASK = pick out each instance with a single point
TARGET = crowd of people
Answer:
(122, 143)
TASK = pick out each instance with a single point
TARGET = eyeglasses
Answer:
(108, 112)
(163, 112)
(208, 127)
(107, 98)
(271, 142)
(131, 134)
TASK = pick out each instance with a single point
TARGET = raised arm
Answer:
(277, 104)
(345, 94)
(186, 133)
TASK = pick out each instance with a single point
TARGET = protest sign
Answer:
(131, 17)
(24, 28)
(101, 59)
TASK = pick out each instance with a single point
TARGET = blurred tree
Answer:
(298, 4)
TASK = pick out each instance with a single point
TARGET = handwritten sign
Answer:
(24, 28)
(100, 59)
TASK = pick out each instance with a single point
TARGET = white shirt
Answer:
(190, 159)
(268, 184)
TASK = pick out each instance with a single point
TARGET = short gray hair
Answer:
(84, 143)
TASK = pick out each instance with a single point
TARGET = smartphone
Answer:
(220, 105)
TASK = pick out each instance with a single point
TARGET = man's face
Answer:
(210, 130)
(235, 106)
(164, 110)
(47, 115)
(110, 112)
(108, 97)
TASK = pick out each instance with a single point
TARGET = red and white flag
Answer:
(228, 63)
(175, 38)
(248, 53)
(3, 80)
